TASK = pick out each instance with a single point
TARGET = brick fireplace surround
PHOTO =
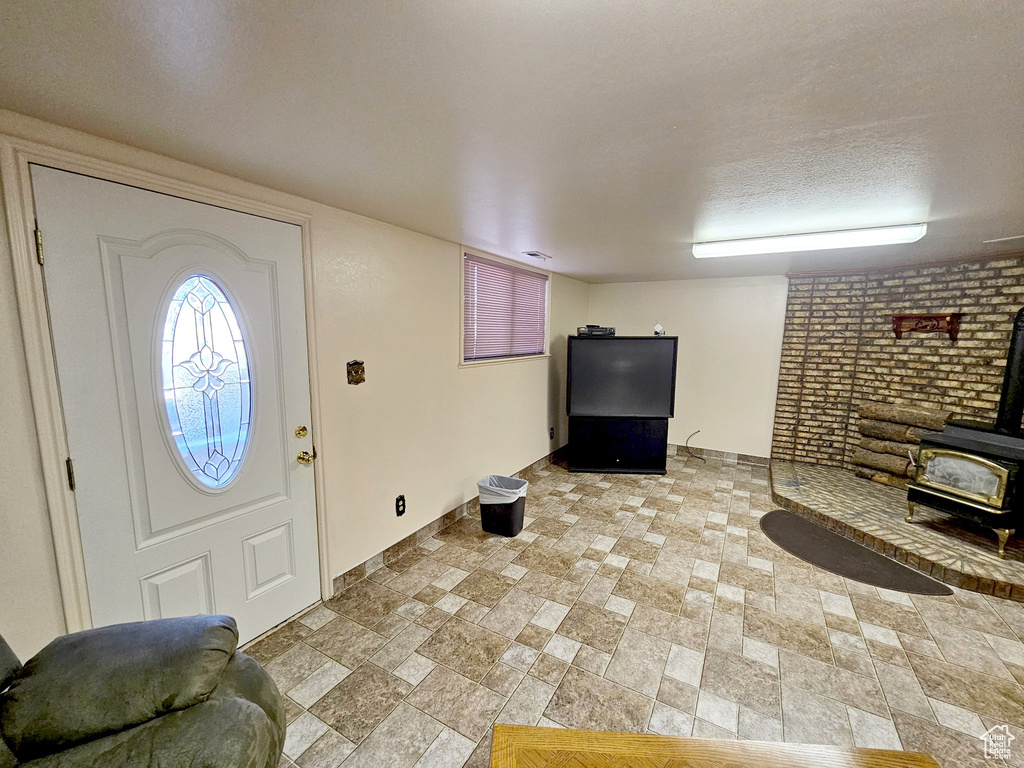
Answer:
(839, 350)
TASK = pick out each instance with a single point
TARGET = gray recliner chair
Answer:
(167, 693)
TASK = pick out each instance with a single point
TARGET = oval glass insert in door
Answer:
(205, 379)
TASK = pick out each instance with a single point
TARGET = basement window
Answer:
(504, 311)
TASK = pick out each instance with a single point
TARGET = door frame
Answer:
(16, 155)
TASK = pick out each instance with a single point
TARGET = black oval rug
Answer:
(821, 547)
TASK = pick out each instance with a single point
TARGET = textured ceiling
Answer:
(609, 135)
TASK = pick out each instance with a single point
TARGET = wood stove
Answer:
(973, 469)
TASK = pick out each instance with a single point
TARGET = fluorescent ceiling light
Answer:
(812, 241)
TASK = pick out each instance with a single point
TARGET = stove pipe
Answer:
(1011, 402)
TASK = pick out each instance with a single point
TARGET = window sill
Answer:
(502, 360)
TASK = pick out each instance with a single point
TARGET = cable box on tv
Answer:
(594, 330)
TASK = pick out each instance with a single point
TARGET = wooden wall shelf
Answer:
(948, 324)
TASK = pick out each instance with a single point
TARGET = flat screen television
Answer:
(622, 376)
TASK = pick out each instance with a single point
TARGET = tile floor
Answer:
(644, 604)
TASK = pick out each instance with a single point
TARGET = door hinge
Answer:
(71, 473)
(39, 245)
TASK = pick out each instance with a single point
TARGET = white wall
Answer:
(420, 425)
(730, 346)
(570, 301)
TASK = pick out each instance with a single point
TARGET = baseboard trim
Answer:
(395, 551)
(724, 456)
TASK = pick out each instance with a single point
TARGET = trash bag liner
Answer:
(496, 489)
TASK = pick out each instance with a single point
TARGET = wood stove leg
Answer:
(910, 517)
(1004, 534)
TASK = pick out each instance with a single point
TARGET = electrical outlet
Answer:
(400, 505)
(551, 433)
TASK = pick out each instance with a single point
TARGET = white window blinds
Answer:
(504, 310)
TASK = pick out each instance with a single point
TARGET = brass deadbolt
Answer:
(301, 431)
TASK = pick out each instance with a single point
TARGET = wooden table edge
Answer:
(508, 739)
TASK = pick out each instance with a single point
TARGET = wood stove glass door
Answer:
(963, 474)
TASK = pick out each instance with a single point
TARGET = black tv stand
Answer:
(618, 444)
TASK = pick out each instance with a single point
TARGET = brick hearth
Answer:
(950, 549)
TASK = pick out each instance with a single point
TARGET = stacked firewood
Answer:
(890, 436)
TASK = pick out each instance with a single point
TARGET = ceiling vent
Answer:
(537, 255)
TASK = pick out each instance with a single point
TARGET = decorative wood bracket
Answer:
(949, 324)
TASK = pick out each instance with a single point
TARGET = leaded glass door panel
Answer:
(179, 334)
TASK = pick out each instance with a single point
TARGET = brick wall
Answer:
(839, 350)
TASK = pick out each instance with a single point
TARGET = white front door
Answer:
(180, 340)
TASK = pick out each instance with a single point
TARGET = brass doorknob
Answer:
(305, 457)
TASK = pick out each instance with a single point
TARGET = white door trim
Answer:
(15, 156)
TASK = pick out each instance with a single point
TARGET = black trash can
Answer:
(502, 504)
